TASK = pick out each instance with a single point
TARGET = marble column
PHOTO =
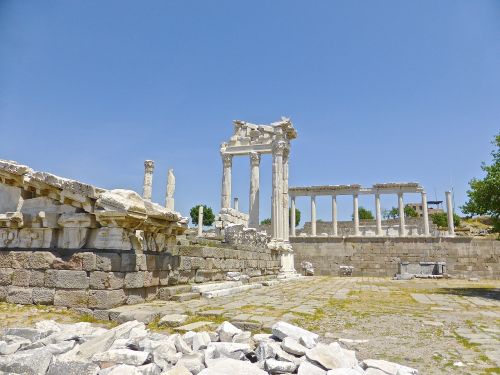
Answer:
(425, 214)
(334, 215)
(227, 163)
(286, 211)
(200, 221)
(292, 217)
(378, 214)
(449, 211)
(401, 207)
(253, 220)
(355, 207)
(236, 204)
(313, 215)
(277, 197)
(147, 187)
(169, 197)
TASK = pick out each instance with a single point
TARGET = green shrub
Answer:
(208, 215)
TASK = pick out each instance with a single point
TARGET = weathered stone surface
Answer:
(43, 296)
(279, 367)
(177, 370)
(145, 317)
(125, 356)
(226, 366)
(6, 276)
(283, 329)
(193, 362)
(108, 262)
(307, 368)
(37, 278)
(71, 298)
(41, 260)
(21, 277)
(200, 340)
(28, 362)
(134, 279)
(327, 356)
(226, 332)
(106, 299)
(172, 320)
(106, 280)
(387, 367)
(229, 349)
(72, 368)
(20, 295)
(69, 279)
(292, 346)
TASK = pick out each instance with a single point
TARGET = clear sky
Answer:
(379, 91)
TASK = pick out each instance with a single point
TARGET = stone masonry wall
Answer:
(374, 256)
(99, 280)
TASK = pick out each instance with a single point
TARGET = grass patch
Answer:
(465, 342)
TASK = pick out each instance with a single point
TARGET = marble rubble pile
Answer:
(130, 349)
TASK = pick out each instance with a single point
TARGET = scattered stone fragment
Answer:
(283, 329)
(225, 366)
(177, 370)
(121, 356)
(292, 346)
(192, 326)
(172, 320)
(226, 332)
(279, 367)
(388, 367)
(327, 356)
(307, 368)
(72, 368)
(201, 340)
(193, 362)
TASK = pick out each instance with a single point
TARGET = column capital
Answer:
(254, 159)
(227, 159)
(279, 147)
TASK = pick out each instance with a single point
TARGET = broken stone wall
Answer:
(372, 256)
(100, 280)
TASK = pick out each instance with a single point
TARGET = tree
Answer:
(410, 212)
(441, 219)
(393, 213)
(297, 216)
(208, 215)
(266, 221)
(364, 214)
(484, 194)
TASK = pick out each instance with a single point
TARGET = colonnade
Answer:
(378, 213)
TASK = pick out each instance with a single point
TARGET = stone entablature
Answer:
(40, 210)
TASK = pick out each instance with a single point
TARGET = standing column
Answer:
(200, 221)
(401, 206)
(292, 217)
(169, 198)
(425, 213)
(378, 214)
(277, 198)
(313, 215)
(227, 163)
(286, 210)
(253, 220)
(236, 204)
(355, 214)
(449, 209)
(147, 187)
(334, 215)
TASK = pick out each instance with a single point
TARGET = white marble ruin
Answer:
(169, 198)
(376, 190)
(40, 210)
(255, 140)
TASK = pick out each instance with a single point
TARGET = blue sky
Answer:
(379, 91)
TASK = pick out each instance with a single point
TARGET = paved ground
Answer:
(427, 324)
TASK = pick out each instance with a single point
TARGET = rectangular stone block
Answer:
(20, 259)
(131, 262)
(5, 259)
(4, 291)
(135, 296)
(134, 280)
(37, 278)
(21, 277)
(69, 279)
(164, 276)
(19, 295)
(43, 296)
(106, 280)
(71, 298)
(6, 276)
(89, 262)
(106, 299)
(41, 260)
(108, 262)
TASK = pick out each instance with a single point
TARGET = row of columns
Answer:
(378, 215)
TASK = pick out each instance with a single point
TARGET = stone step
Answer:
(181, 297)
(202, 288)
(230, 291)
(165, 293)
